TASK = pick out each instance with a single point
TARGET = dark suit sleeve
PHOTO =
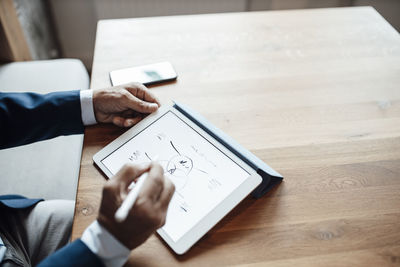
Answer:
(29, 117)
(75, 254)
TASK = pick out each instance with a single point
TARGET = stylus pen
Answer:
(127, 204)
(129, 201)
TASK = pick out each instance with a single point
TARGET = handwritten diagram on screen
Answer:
(203, 176)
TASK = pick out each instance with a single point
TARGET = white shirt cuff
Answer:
(88, 117)
(105, 245)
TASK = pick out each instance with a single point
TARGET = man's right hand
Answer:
(150, 209)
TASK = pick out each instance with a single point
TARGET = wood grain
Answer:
(314, 93)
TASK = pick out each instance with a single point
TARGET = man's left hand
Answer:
(123, 105)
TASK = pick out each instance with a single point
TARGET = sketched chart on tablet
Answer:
(203, 176)
(178, 166)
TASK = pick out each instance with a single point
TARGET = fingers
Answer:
(143, 93)
(167, 193)
(151, 207)
(156, 187)
(140, 99)
(128, 173)
(164, 200)
(140, 105)
(122, 104)
(125, 122)
(157, 192)
(154, 183)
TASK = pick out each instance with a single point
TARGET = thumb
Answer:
(128, 173)
(140, 105)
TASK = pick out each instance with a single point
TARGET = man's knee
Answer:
(49, 226)
(51, 218)
(55, 211)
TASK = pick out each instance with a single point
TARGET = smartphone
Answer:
(146, 74)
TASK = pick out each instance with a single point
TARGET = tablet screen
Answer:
(203, 175)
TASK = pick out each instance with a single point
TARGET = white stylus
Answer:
(129, 201)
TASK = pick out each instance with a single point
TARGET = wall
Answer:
(75, 20)
(34, 19)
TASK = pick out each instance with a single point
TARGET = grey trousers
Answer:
(30, 235)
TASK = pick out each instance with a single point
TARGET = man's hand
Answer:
(123, 105)
(150, 209)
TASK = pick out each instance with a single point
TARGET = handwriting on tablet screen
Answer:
(202, 174)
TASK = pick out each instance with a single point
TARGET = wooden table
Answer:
(314, 93)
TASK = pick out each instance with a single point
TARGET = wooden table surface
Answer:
(314, 93)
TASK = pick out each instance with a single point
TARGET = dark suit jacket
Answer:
(28, 117)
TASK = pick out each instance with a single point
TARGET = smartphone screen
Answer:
(146, 74)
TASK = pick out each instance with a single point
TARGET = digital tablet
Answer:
(209, 179)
